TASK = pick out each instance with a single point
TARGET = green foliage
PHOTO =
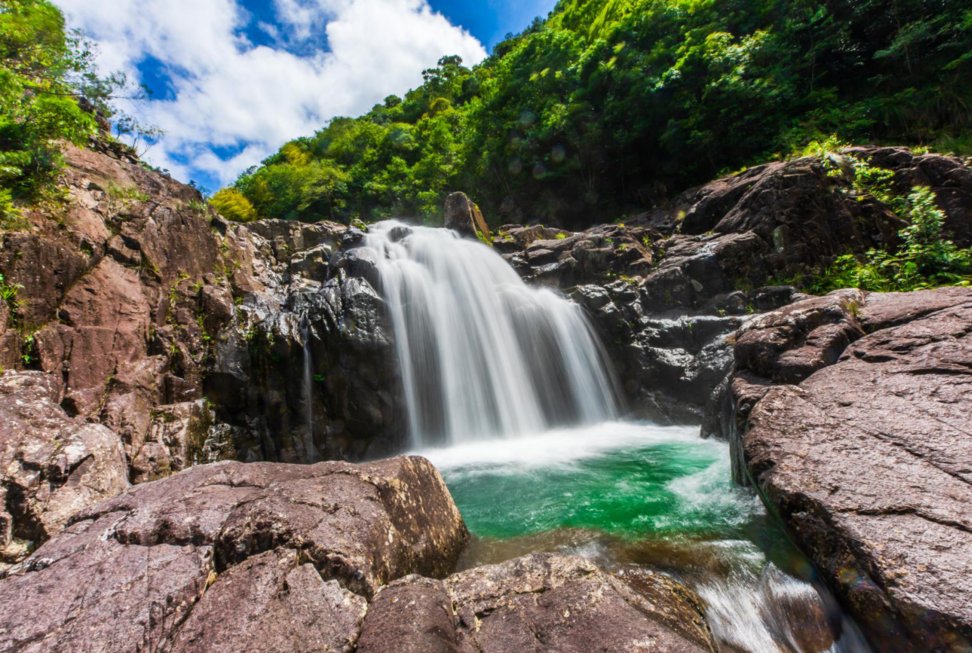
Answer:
(48, 93)
(609, 106)
(925, 258)
(233, 205)
(8, 293)
(125, 193)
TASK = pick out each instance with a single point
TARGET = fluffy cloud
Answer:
(233, 101)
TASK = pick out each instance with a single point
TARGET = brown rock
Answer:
(100, 595)
(547, 602)
(867, 462)
(51, 466)
(411, 615)
(788, 345)
(263, 557)
(463, 216)
(176, 439)
(272, 604)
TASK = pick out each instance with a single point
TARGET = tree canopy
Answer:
(609, 106)
(48, 93)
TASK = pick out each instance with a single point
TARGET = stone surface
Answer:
(540, 602)
(547, 602)
(272, 603)
(412, 615)
(861, 441)
(264, 557)
(51, 466)
(463, 216)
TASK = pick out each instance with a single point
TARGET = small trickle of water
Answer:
(307, 386)
(482, 354)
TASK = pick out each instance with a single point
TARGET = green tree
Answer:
(49, 93)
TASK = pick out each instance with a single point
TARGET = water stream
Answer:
(511, 396)
(484, 356)
(307, 390)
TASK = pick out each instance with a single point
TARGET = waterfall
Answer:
(483, 355)
(307, 387)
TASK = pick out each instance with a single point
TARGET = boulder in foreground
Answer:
(245, 552)
(541, 602)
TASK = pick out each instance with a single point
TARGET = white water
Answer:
(560, 447)
(307, 385)
(483, 356)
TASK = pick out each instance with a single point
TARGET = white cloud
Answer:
(230, 93)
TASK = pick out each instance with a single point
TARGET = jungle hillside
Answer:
(607, 108)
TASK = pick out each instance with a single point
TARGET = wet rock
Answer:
(51, 466)
(862, 448)
(463, 216)
(232, 556)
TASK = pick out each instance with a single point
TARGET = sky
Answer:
(233, 80)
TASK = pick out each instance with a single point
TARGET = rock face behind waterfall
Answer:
(851, 415)
(667, 287)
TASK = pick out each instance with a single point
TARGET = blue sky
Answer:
(232, 80)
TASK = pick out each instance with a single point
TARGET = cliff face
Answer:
(140, 302)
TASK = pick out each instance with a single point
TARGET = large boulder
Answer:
(51, 465)
(852, 420)
(232, 556)
(463, 216)
(541, 602)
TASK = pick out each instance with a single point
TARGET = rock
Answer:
(272, 603)
(561, 258)
(177, 438)
(51, 466)
(540, 602)
(863, 449)
(667, 367)
(546, 602)
(231, 557)
(463, 216)
(411, 615)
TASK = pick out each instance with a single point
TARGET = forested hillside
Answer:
(610, 106)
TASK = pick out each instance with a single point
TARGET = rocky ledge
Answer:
(326, 557)
(850, 413)
(667, 287)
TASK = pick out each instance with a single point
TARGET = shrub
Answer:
(925, 258)
(233, 205)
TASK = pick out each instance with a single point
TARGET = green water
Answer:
(629, 481)
(660, 497)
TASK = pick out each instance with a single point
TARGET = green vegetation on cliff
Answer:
(610, 106)
(48, 93)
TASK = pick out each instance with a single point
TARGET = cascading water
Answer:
(482, 354)
(307, 389)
